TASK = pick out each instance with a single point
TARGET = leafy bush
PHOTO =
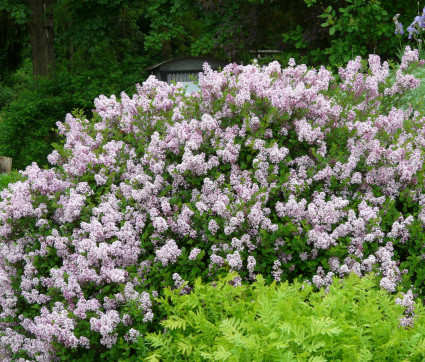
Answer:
(26, 129)
(30, 115)
(335, 31)
(6, 93)
(346, 25)
(355, 320)
(283, 172)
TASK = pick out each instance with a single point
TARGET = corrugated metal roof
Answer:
(209, 60)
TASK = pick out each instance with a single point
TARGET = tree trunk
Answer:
(41, 28)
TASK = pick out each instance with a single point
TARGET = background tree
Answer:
(37, 15)
(11, 44)
(41, 30)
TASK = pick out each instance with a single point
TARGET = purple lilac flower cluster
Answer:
(229, 177)
(407, 321)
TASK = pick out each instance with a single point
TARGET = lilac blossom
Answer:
(213, 226)
(407, 320)
(194, 253)
(234, 260)
(168, 253)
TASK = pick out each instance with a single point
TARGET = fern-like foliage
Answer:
(354, 321)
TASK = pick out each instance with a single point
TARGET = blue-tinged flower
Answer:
(411, 30)
(422, 23)
(419, 21)
(399, 28)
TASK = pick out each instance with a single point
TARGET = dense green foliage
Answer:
(7, 178)
(354, 27)
(355, 320)
(28, 120)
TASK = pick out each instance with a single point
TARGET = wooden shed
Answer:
(184, 70)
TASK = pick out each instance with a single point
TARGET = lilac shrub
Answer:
(283, 172)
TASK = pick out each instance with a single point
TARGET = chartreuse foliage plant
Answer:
(285, 172)
(353, 320)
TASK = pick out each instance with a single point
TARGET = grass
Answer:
(7, 178)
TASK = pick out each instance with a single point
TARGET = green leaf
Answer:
(185, 348)
(154, 357)
(332, 31)
(174, 322)
(317, 359)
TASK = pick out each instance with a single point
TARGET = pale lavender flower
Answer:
(213, 226)
(407, 321)
(168, 253)
(251, 265)
(132, 336)
(276, 271)
(160, 224)
(216, 260)
(234, 260)
(194, 253)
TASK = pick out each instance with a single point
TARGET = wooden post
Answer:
(5, 164)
